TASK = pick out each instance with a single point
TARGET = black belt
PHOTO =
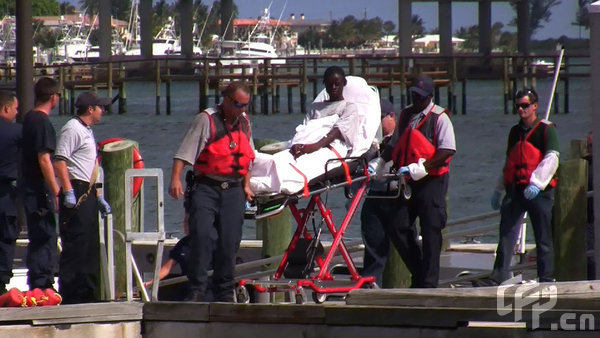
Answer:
(224, 185)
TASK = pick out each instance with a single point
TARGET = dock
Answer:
(528, 310)
(301, 76)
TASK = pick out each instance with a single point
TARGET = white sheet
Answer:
(357, 117)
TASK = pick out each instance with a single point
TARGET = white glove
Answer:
(417, 170)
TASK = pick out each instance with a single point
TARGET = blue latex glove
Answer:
(103, 206)
(496, 199)
(403, 171)
(70, 201)
(531, 191)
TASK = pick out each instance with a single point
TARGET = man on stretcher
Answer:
(343, 122)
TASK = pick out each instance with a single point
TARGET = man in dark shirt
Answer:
(10, 141)
(38, 186)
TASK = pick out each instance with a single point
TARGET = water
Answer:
(480, 137)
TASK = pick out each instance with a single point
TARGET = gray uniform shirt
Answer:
(77, 147)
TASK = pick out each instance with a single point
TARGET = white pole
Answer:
(556, 72)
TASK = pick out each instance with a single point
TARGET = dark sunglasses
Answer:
(237, 104)
(523, 105)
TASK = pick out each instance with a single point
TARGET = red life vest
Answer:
(419, 142)
(523, 158)
(228, 151)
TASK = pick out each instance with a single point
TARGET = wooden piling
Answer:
(275, 231)
(395, 274)
(61, 84)
(254, 90)
(122, 90)
(303, 84)
(314, 83)
(72, 101)
(464, 96)
(109, 85)
(168, 88)
(116, 158)
(568, 221)
(505, 82)
(290, 99)
(157, 84)
(203, 87)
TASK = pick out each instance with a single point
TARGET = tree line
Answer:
(347, 32)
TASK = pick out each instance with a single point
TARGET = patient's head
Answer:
(334, 80)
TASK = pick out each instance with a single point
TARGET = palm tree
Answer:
(539, 13)
(582, 17)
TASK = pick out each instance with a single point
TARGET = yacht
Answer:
(257, 49)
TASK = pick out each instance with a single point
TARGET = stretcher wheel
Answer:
(241, 295)
(300, 296)
(373, 286)
(319, 298)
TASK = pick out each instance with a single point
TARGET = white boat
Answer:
(257, 49)
(166, 42)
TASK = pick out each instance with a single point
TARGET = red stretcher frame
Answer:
(315, 282)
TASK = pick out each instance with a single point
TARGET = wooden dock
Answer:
(464, 312)
(391, 74)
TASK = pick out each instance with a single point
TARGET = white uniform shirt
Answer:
(77, 147)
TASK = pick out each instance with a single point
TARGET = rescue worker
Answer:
(38, 186)
(376, 212)
(10, 143)
(529, 177)
(218, 144)
(421, 148)
(77, 168)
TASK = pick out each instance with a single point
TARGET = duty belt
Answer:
(224, 185)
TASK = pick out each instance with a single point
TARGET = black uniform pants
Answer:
(215, 224)
(514, 205)
(375, 214)
(428, 204)
(79, 265)
(9, 231)
(42, 252)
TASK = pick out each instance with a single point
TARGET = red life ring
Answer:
(138, 162)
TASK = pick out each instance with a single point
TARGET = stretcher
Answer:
(305, 265)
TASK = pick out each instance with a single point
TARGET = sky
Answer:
(464, 14)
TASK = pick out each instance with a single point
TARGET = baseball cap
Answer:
(422, 85)
(88, 99)
(386, 107)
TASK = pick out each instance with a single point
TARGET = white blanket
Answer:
(358, 119)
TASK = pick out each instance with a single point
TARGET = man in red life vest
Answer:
(421, 148)
(218, 144)
(529, 178)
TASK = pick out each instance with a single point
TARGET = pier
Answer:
(381, 313)
(301, 76)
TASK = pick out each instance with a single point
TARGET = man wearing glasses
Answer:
(218, 144)
(421, 147)
(38, 186)
(528, 179)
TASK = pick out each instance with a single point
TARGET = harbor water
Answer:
(480, 136)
